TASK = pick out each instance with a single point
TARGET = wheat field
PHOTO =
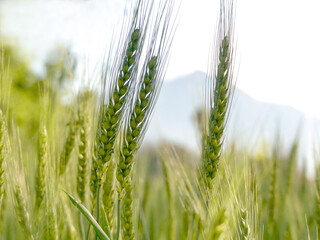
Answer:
(73, 167)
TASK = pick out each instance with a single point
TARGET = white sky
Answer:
(278, 40)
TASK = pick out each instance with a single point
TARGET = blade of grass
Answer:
(100, 233)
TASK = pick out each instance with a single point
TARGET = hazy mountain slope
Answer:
(250, 120)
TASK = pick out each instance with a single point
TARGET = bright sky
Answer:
(278, 41)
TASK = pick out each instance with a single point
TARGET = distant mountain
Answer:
(250, 120)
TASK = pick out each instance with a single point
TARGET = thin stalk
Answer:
(119, 219)
(98, 206)
(83, 234)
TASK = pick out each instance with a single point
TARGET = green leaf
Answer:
(100, 233)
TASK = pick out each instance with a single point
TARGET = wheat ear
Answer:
(109, 122)
(41, 168)
(142, 105)
(135, 127)
(244, 225)
(112, 116)
(82, 158)
(133, 135)
(22, 213)
(68, 147)
(219, 85)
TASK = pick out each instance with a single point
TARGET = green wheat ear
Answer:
(41, 168)
(68, 147)
(136, 125)
(244, 225)
(134, 133)
(219, 85)
(109, 127)
(141, 106)
(109, 123)
(22, 213)
(82, 157)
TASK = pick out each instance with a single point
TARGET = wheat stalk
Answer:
(2, 158)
